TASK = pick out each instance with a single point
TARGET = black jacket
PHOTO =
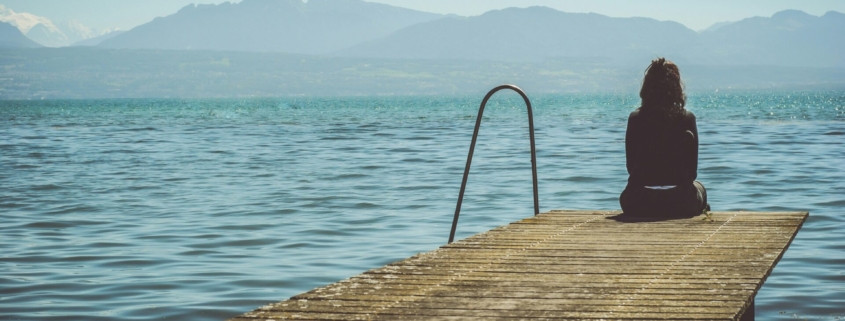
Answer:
(660, 152)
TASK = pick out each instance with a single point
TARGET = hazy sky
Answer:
(699, 14)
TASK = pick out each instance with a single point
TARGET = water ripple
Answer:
(205, 209)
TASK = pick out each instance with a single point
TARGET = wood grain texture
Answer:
(568, 265)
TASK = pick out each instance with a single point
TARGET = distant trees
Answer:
(83, 72)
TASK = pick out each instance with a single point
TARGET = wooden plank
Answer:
(568, 265)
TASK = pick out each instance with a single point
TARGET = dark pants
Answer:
(681, 201)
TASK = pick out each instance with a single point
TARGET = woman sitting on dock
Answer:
(661, 149)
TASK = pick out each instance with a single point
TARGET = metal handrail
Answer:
(472, 148)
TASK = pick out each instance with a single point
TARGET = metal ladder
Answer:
(472, 148)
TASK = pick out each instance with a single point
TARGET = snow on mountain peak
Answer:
(24, 21)
(47, 33)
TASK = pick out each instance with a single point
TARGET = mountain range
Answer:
(354, 28)
(46, 32)
(315, 27)
(532, 34)
(352, 47)
(788, 38)
(98, 39)
(11, 37)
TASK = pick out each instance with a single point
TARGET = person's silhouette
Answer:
(661, 149)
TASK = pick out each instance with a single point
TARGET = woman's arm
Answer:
(630, 149)
(692, 155)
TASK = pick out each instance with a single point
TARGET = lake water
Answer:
(206, 209)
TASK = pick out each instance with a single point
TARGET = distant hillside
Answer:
(11, 37)
(716, 26)
(532, 34)
(47, 35)
(97, 40)
(351, 47)
(354, 28)
(89, 72)
(44, 31)
(315, 27)
(789, 38)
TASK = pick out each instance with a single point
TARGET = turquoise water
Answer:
(206, 209)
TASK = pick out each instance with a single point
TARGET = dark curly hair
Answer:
(663, 91)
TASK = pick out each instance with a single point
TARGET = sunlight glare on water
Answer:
(206, 209)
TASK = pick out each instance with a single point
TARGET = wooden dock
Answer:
(568, 265)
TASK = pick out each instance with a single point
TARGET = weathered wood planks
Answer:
(568, 265)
